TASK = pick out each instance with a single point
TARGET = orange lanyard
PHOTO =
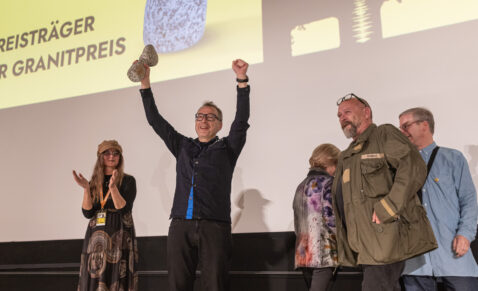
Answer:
(103, 201)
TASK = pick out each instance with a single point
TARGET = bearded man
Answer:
(380, 220)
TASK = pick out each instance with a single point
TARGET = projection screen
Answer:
(64, 89)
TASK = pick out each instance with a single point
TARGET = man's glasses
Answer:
(351, 96)
(111, 153)
(209, 117)
(406, 126)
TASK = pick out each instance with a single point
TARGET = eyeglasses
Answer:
(351, 96)
(406, 126)
(209, 117)
(111, 153)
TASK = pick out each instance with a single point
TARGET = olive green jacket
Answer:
(381, 171)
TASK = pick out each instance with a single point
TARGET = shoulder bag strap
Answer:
(429, 167)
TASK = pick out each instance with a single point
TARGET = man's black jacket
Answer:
(211, 165)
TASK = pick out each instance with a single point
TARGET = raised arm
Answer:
(237, 133)
(240, 68)
(168, 134)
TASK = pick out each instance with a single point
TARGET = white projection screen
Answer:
(64, 89)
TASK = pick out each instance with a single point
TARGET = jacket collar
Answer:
(199, 144)
(317, 171)
(357, 145)
(427, 151)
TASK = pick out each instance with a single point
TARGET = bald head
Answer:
(355, 116)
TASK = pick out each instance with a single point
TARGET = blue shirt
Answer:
(449, 198)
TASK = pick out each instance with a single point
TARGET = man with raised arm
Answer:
(200, 226)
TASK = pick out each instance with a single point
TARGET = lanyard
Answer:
(103, 201)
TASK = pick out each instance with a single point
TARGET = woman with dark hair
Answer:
(314, 221)
(110, 252)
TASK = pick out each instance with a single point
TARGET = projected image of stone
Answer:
(174, 25)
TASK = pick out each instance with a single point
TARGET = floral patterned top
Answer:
(314, 222)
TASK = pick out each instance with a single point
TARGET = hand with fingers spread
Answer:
(80, 180)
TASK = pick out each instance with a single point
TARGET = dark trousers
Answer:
(429, 283)
(382, 277)
(318, 279)
(191, 241)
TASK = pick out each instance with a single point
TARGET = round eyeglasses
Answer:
(209, 117)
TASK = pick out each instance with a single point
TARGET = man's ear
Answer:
(368, 112)
(427, 126)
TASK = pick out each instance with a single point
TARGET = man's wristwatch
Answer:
(242, 80)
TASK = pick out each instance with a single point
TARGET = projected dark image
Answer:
(324, 26)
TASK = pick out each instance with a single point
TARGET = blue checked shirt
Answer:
(449, 198)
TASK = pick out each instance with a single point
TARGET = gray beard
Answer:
(351, 131)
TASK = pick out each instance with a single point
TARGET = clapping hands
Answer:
(80, 180)
(113, 179)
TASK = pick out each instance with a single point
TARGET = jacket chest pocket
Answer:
(376, 177)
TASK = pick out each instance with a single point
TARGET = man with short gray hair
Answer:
(449, 198)
(200, 228)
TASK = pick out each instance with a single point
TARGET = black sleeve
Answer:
(128, 192)
(168, 134)
(237, 133)
(90, 213)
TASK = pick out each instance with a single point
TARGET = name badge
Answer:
(346, 176)
(101, 218)
(372, 156)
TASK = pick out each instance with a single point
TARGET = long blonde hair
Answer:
(98, 176)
